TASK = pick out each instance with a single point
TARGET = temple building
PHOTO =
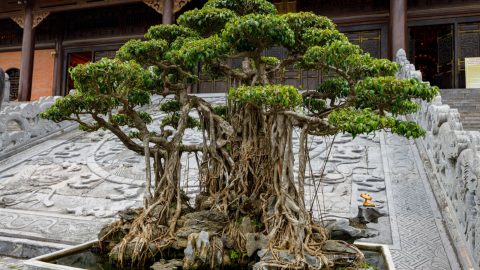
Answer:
(41, 39)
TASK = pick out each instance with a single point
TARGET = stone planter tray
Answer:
(44, 262)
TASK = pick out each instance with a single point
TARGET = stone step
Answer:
(467, 102)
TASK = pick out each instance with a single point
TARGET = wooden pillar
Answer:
(28, 52)
(168, 14)
(398, 26)
(58, 67)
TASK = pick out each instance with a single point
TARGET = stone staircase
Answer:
(467, 101)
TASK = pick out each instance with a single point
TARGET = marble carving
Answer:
(455, 156)
(21, 124)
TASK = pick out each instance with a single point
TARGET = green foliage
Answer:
(275, 96)
(220, 110)
(102, 87)
(338, 54)
(170, 106)
(195, 51)
(233, 255)
(317, 37)
(244, 7)
(301, 21)
(206, 21)
(173, 119)
(383, 67)
(365, 121)
(334, 88)
(168, 32)
(149, 52)
(314, 105)
(257, 32)
(270, 61)
(310, 30)
(365, 87)
(392, 95)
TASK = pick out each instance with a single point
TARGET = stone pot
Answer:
(45, 262)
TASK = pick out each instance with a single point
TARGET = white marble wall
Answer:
(454, 154)
(21, 124)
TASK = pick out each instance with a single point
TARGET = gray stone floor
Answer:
(8, 263)
(63, 190)
(423, 243)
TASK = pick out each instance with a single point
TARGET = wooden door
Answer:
(445, 77)
(285, 6)
(369, 41)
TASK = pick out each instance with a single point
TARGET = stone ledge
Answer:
(26, 249)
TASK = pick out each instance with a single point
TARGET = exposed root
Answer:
(248, 182)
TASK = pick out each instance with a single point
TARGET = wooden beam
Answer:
(51, 6)
(362, 19)
(444, 12)
(28, 54)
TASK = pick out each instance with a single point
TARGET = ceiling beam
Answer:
(11, 8)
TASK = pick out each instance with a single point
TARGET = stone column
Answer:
(168, 14)
(2, 87)
(6, 91)
(398, 26)
(28, 52)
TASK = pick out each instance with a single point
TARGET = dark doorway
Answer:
(431, 50)
(14, 76)
(75, 59)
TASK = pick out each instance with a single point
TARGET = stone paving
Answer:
(423, 243)
(8, 263)
(62, 191)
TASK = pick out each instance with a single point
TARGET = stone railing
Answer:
(21, 124)
(451, 156)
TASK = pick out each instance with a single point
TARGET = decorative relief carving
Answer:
(455, 154)
(38, 17)
(158, 5)
(22, 124)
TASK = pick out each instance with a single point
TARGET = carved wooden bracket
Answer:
(158, 5)
(38, 17)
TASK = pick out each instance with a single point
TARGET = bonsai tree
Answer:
(246, 157)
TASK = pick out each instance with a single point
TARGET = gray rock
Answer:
(254, 242)
(203, 245)
(167, 265)
(338, 247)
(209, 221)
(368, 214)
(246, 225)
(341, 229)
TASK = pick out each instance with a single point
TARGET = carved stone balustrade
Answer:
(21, 124)
(453, 156)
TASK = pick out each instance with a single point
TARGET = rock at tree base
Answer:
(193, 223)
(254, 242)
(369, 214)
(167, 265)
(341, 229)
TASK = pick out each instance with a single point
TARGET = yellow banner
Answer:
(472, 72)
